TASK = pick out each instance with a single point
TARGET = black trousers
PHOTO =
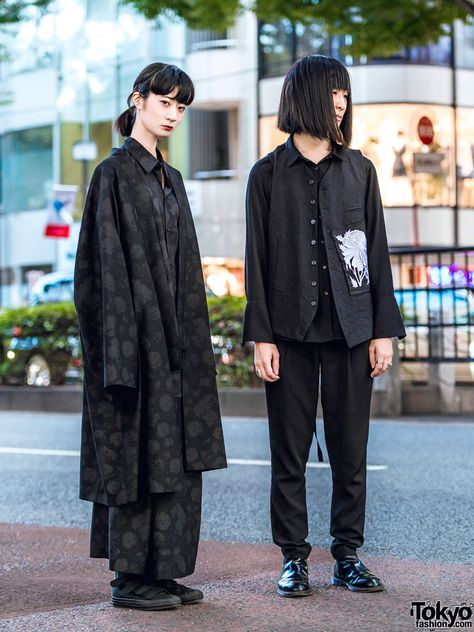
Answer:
(157, 537)
(346, 388)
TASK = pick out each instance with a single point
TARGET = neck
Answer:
(145, 138)
(305, 143)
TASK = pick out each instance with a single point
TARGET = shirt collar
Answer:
(293, 154)
(146, 160)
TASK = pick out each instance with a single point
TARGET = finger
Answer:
(276, 363)
(270, 376)
(372, 356)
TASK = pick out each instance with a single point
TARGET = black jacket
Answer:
(141, 349)
(280, 255)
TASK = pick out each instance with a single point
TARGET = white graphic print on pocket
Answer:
(353, 248)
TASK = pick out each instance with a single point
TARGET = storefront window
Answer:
(27, 159)
(282, 43)
(409, 171)
(465, 45)
(465, 125)
(277, 48)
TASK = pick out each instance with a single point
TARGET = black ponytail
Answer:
(159, 79)
(124, 123)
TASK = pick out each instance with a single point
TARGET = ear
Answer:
(137, 100)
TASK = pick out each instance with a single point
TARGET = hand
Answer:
(267, 361)
(380, 355)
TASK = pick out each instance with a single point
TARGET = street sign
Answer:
(60, 209)
(429, 163)
(425, 130)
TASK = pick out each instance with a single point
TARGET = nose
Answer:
(340, 102)
(171, 114)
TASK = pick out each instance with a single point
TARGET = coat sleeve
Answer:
(387, 318)
(257, 324)
(102, 293)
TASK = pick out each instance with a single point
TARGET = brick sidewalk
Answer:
(48, 583)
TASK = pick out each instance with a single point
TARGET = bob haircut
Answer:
(157, 78)
(306, 103)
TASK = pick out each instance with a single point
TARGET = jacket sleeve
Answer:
(257, 324)
(387, 318)
(102, 288)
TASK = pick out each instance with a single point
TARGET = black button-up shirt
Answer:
(345, 218)
(307, 176)
(165, 204)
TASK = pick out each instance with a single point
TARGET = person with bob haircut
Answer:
(320, 307)
(151, 422)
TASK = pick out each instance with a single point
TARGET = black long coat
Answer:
(131, 329)
(280, 251)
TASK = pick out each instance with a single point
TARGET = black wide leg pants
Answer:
(346, 388)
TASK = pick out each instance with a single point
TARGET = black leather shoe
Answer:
(353, 574)
(294, 580)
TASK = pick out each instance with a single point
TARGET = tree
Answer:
(12, 12)
(376, 28)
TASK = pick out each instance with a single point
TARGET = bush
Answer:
(234, 362)
(55, 325)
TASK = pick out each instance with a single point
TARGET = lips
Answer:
(168, 128)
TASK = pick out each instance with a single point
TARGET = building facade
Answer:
(72, 68)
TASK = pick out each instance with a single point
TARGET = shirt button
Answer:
(310, 181)
(322, 241)
(324, 267)
(312, 201)
(313, 283)
(313, 241)
(313, 221)
(326, 293)
(313, 262)
(313, 303)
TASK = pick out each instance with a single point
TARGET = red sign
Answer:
(425, 130)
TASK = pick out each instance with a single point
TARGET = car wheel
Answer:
(37, 372)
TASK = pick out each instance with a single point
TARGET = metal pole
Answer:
(455, 135)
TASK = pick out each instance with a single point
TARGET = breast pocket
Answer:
(354, 214)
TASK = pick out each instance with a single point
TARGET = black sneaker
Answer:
(129, 592)
(187, 595)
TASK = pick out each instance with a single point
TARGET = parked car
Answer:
(55, 287)
(40, 345)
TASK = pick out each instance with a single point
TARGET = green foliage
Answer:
(234, 362)
(13, 11)
(198, 14)
(377, 28)
(55, 318)
(55, 328)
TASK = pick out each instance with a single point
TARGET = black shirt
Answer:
(165, 205)
(279, 256)
(309, 175)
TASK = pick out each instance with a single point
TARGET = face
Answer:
(159, 114)
(339, 98)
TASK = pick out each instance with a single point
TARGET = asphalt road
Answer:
(420, 484)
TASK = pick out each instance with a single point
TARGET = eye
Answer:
(181, 108)
(165, 102)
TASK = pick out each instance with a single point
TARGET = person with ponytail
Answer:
(151, 422)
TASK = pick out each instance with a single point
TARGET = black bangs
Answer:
(339, 76)
(161, 78)
(171, 78)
